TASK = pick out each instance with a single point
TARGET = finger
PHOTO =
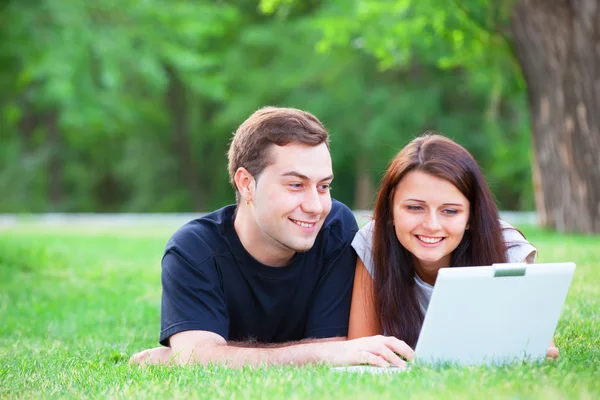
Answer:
(139, 358)
(136, 358)
(156, 355)
(400, 347)
(374, 359)
(553, 352)
(385, 352)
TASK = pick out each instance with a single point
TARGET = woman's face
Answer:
(430, 218)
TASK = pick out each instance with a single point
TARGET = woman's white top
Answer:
(520, 250)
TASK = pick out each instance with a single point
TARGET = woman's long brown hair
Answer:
(394, 271)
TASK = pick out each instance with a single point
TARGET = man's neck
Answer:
(261, 247)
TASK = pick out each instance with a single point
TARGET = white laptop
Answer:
(492, 315)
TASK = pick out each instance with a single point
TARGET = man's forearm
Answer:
(262, 345)
(233, 356)
(209, 348)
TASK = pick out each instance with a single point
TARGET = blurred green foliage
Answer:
(129, 106)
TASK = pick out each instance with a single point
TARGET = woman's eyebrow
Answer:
(445, 204)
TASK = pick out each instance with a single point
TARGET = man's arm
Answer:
(203, 347)
(257, 344)
(164, 355)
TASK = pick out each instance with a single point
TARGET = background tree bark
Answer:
(364, 192)
(177, 104)
(55, 164)
(558, 46)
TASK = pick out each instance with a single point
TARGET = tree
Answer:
(129, 106)
(83, 80)
(558, 46)
(553, 45)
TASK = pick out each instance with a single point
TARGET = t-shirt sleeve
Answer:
(192, 297)
(518, 248)
(363, 245)
(330, 307)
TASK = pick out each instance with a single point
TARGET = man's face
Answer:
(291, 198)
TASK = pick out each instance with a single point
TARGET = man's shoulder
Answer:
(202, 237)
(341, 222)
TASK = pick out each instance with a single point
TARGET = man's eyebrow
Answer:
(304, 177)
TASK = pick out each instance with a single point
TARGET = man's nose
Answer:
(312, 202)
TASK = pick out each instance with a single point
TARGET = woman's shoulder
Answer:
(518, 248)
(364, 236)
(363, 245)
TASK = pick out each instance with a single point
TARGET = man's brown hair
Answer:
(270, 126)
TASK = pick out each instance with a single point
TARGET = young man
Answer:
(268, 280)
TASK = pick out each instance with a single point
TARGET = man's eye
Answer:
(325, 187)
(295, 185)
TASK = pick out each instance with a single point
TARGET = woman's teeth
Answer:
(429, 240)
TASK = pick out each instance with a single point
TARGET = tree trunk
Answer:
(27, 125)
(558, 46)
(364, 192)
(55, 162)
(177, 106)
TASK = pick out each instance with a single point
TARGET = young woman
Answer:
(434, 210)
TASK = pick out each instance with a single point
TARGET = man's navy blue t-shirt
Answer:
(211, 283)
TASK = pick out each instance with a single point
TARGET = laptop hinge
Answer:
(509, 269)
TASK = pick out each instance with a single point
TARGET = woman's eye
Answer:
(414, 208)
(451, 211)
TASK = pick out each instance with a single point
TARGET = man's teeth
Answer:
(303, 224)
(430, 240)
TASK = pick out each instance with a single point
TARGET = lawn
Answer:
(76, 303)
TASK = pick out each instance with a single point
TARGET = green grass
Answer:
(75, 304)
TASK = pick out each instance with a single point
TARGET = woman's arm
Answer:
(363, 316)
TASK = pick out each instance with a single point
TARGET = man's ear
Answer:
(244, 182)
